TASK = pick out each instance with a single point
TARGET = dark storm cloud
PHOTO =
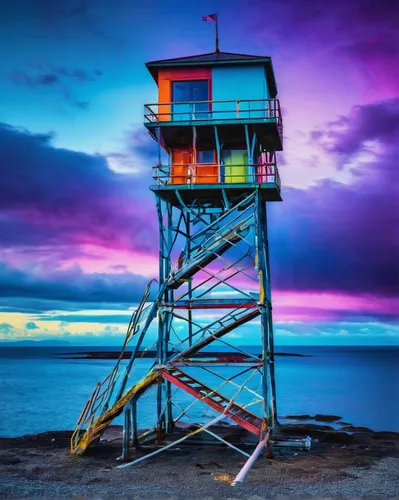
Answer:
(57, 197)
(72, 19)
(361, 35)
(344, 237)
(71, 285)
(331, 237)
(54, 202)
(331, 23)
(351, 134)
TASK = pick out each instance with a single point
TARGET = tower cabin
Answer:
(218, 120)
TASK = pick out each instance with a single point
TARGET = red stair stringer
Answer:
(215, 400)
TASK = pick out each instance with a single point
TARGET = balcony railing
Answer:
(179, 174)
(247, 109)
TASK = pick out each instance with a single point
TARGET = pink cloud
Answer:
(316, 306)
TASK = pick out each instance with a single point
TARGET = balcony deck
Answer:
(177, 121)
(214, 185)
(214, 195)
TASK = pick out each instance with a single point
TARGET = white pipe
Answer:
(251, 460)
(216, 436)
(174, 443)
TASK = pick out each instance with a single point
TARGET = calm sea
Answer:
(39, 391)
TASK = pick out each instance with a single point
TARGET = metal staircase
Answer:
(227, 245)
(109, 397)
(98, 414)
(214, 270)
(96, 426)
(214, 399)
(229, 322)
(212, 248)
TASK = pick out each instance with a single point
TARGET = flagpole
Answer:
(214, 17)
(217, 33)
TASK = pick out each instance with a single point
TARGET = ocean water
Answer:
(40, 391)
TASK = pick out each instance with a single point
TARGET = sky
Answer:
(78, 239)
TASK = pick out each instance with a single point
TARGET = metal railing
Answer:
(191, 173)
(261, 109)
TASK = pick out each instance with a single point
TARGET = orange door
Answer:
(206, 169)
(206, 174)
(180, 164)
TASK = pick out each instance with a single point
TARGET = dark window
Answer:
(181, 92)
(196, 90)
(206, 157)
(190, 92)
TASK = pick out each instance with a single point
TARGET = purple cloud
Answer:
(65, 199)
(359, 39)
(351, 134)
(331, 237)
(74, 18)
(324, 24)
(53, 288)
(339, 236)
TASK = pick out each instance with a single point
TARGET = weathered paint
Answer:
(165, 79)
(236, 83)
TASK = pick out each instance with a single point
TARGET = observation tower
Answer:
(217, 125)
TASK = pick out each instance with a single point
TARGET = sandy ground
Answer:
(339, 465)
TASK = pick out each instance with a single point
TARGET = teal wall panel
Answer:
(238, 83)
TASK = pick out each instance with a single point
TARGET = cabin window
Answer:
(206, 157)
(186, 96)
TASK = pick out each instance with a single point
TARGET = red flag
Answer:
(211, 17)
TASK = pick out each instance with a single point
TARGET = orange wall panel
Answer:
(180, 162)
(207, 174)
(166, 76)
(164, 96)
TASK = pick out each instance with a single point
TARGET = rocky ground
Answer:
(354, 462)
